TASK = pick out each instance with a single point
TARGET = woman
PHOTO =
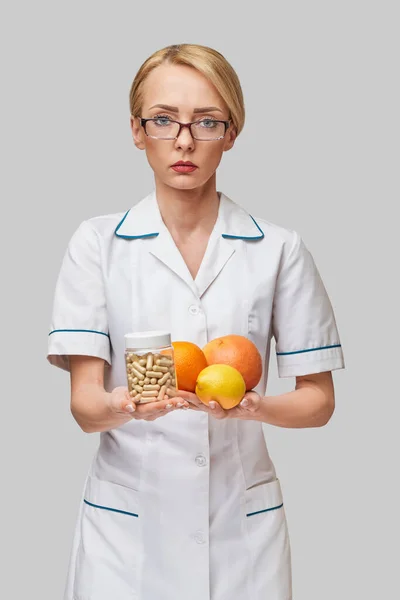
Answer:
(185, 504)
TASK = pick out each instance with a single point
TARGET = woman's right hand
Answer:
(121, 402)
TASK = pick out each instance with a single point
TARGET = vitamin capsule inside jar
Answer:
(150, 366)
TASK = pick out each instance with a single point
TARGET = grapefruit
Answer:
(239, 352)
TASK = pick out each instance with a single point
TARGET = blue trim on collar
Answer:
(243, 237)
(308, 350)
(154, 234)
(131, 237)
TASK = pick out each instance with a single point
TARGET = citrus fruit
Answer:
(238, 352)
(222, 383)
(189, 361)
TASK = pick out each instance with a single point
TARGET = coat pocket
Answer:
(263, 497)
(109, 548)
(269, 540)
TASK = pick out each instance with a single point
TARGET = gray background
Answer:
(318, 154)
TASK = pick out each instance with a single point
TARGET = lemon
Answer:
(222, 383)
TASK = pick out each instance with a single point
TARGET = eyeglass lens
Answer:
(206, 129)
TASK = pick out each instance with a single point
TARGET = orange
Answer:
(238, 352)
(189, 361)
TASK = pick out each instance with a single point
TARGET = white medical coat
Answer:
(186, 507)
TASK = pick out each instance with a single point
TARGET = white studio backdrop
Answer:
(319, 154)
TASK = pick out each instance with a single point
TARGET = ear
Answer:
(137, 133)
(230, 138)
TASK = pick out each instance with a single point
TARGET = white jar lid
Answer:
(147, 339)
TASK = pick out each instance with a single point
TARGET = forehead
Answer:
(179, 85)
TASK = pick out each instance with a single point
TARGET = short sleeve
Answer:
(303, 322)
(79, 320)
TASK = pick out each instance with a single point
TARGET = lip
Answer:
(184, 168)
(184, 163)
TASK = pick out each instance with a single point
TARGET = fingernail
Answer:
(244, 402)
(130, 408)
(212, 405)
(179, 404)
(168, 406)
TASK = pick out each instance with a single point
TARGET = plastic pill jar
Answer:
(150, 366)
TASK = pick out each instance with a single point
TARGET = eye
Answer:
(208, 123)
(161, 120)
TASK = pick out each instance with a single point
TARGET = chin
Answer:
(184, 183)
(185, 187)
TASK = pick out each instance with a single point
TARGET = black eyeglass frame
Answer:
(226, 123)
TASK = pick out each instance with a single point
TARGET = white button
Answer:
(201, 460)
(199, 537)
(194, 310)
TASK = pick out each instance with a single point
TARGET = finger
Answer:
(128, 405)
(187, 402)
(188, 397)
(149, 409)
(216, 409)
(249, 403)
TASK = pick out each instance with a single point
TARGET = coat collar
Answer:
(144, 220)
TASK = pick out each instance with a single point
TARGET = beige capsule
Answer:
(171, 391)
(135, 380)
(150, 394)
(151, 387)
(149, 362)
(153, 381)
(147, 400)
(138, 388)
(161, 393)
(142, 362)
(154, 374)
(160, 369)
(146, 380)
(139, 367)
(166, 377)
(164, 362)
(138, 374)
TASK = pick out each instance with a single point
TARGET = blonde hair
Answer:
(207, 61)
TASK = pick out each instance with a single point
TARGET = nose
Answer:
(184, 139)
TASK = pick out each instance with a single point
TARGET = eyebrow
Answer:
(176, 109)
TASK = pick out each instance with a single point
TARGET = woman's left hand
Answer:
(241, 411)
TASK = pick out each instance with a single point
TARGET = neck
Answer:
(187, 212)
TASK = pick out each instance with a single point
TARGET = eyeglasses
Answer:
(164, 128)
